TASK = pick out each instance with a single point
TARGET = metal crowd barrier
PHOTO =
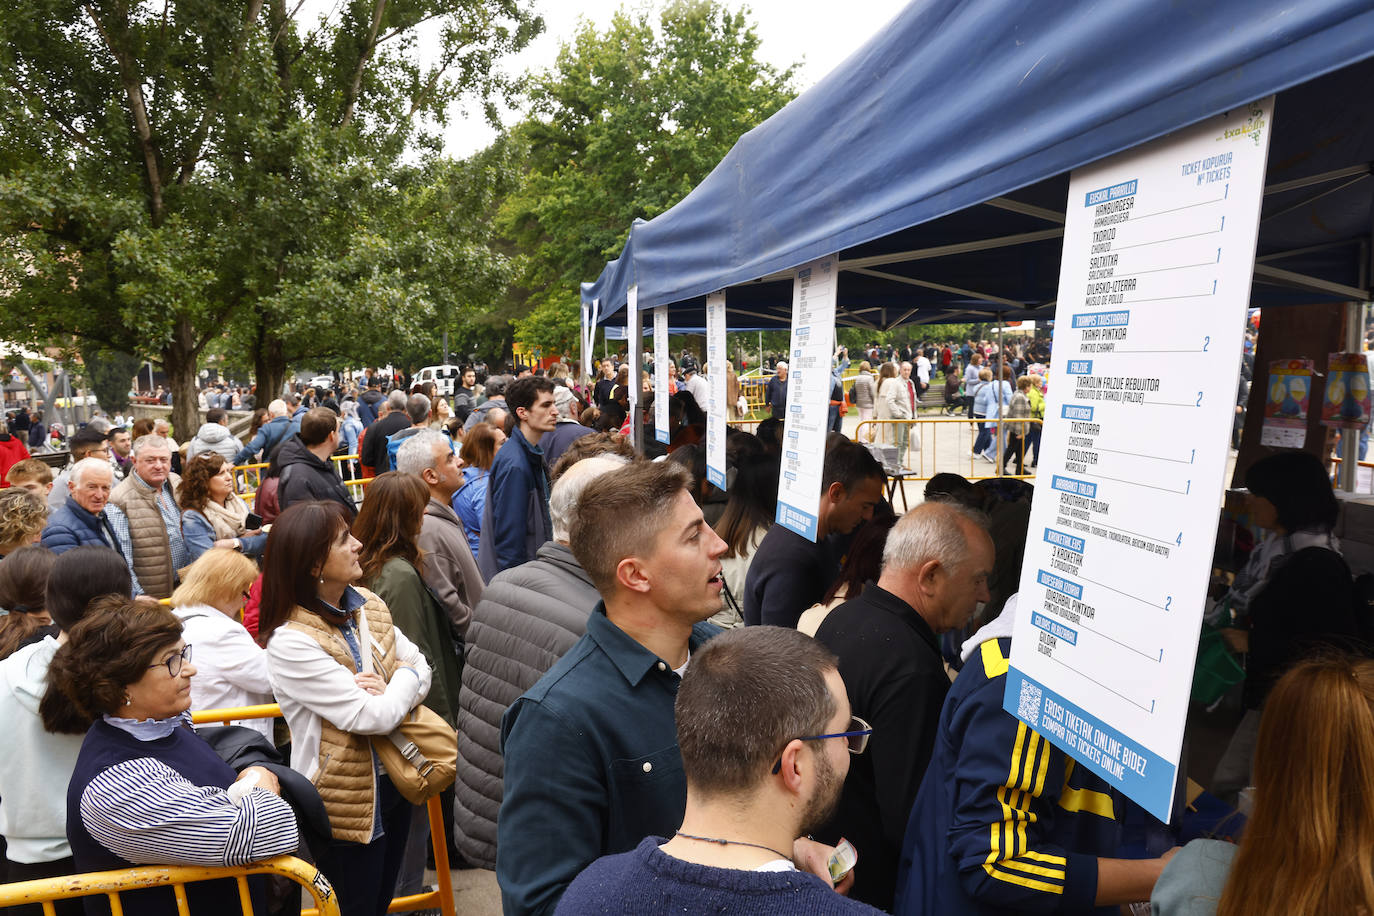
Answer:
(442, 897)
(249, 478)
(112, 883)
(45, 891)
(883, 432)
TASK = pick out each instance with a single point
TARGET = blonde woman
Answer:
(231, 669)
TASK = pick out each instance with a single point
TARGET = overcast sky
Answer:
(814, 34)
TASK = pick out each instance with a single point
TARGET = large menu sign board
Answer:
(716, 404)
(808, 397)
(1159, 248)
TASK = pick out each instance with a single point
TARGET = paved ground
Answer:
(474, 892)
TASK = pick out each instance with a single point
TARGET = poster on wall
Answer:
(1347, 401)
(808, 397)
(1159, 251)
(716, 406)
(1286, 404)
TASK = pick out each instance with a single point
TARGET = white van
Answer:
(446, 378)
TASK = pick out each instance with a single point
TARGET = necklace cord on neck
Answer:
(720, 842)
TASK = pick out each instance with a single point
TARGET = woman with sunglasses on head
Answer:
(343, 674)
(146, 789)
(212, 514)
(231, 669)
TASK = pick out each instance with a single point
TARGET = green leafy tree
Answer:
(173, 171)
(109, 373)
(623, 126)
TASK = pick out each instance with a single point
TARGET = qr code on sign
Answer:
(1028, 704)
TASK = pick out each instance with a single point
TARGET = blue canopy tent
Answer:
(934, 160)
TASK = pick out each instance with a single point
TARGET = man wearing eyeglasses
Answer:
(936, 565)
(766, 737)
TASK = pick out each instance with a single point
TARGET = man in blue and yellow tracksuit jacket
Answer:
(1005, 822)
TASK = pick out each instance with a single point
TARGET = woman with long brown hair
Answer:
(388, 526)
(212, 514)
(1308, 847)
(342, 673)
(23, 586)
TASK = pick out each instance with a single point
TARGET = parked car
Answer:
(445, 378)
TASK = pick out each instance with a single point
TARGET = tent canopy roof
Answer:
(935, 159)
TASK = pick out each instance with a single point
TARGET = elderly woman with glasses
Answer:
(146, 789)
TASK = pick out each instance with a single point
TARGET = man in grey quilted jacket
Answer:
(529, 616)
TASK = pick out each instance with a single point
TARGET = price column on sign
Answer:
(717, 403)
(1159, 249)
(808, 397)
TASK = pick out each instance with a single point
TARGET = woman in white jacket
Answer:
(342, 674)
(37, 764)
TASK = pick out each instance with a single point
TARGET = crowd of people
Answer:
(659, 700)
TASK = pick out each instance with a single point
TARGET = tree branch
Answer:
(364, 58)
(139, 109)
(72, 132)
(400, 29)
(202, 133)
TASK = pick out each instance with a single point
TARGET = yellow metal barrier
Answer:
(248, 479)
(929, 428)
(441, 897)
(355, 485)
(45, 891)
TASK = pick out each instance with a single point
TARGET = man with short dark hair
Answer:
(567, 429)
(369, 401)
(373, 457)
(528, 618)
(214, 436)
(591, 759)
(936, 564)
(790, 573)
(306, 471)
(516, 518)
(121, 452)
(495, 393)
(766, 737)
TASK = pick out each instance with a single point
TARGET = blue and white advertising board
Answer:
(1159, 249)
(661, 359)
(808, 396)
(716, 402)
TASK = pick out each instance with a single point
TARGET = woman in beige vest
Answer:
(342, 674)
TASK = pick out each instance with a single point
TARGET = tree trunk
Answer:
(179, 362)
(269, 367)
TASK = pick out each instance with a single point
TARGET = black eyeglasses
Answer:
(856, 738)
(173, 661)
